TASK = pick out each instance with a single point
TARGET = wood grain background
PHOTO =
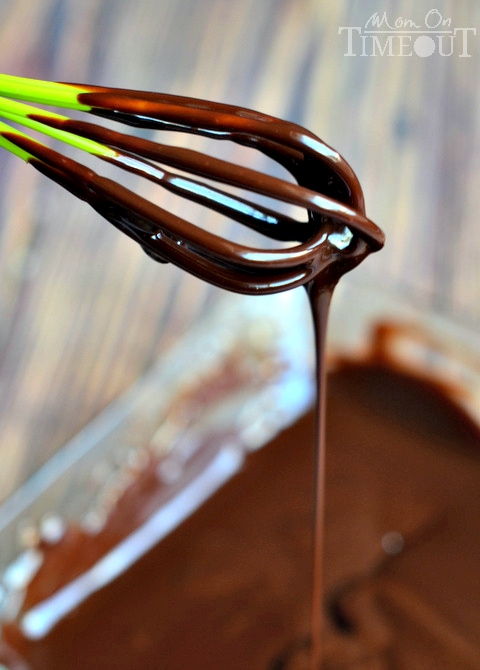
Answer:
(83, 311)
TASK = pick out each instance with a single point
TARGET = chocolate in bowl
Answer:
(229, 586)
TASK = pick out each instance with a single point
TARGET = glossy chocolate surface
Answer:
(231, 587)
(326, 189)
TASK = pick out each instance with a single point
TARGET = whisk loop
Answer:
(335, 236)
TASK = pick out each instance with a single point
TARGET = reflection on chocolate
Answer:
(327, 189)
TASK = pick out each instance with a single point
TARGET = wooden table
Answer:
(83, 311)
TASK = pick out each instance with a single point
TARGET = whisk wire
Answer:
(166, 236)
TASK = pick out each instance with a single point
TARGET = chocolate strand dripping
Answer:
(335, 237)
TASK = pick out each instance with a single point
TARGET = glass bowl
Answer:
(241, 376)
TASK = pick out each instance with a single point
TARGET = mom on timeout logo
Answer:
(385, 36)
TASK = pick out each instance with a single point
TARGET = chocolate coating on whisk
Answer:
(327, 189)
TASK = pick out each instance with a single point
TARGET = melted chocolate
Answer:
(327, 190)
(335, 237)
(230, 588)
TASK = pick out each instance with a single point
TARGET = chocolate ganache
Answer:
(220, 591)
(230, 587)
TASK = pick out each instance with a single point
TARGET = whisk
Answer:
(335, 235)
